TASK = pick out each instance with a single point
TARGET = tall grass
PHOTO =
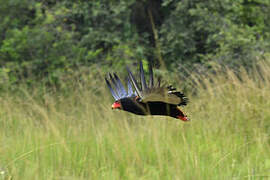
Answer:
(77, 136)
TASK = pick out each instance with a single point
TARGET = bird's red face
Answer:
(116, 105)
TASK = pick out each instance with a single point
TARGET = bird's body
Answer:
(147, 100)
(132, 105)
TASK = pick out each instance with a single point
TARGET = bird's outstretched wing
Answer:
(117, 89)
(156, 93)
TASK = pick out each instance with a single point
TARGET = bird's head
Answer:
(116, 105)
(129, 104)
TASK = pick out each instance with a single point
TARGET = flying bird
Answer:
(146, 99)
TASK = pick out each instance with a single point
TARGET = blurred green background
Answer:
(56, 120)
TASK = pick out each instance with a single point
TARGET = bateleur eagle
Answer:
(147, 99)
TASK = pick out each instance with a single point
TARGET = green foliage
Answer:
(230, 32)
(61, 37)
(48, 40)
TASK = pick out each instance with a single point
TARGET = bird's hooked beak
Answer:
(116, 105)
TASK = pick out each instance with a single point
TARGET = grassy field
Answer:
(77, 136)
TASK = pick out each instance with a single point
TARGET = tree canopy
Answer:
(46, 40)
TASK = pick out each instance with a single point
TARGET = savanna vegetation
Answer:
(78, 136)
(55, 116)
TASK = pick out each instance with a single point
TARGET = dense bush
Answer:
(230, 32)
(46, 40)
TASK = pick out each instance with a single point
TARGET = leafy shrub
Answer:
(50, 40)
